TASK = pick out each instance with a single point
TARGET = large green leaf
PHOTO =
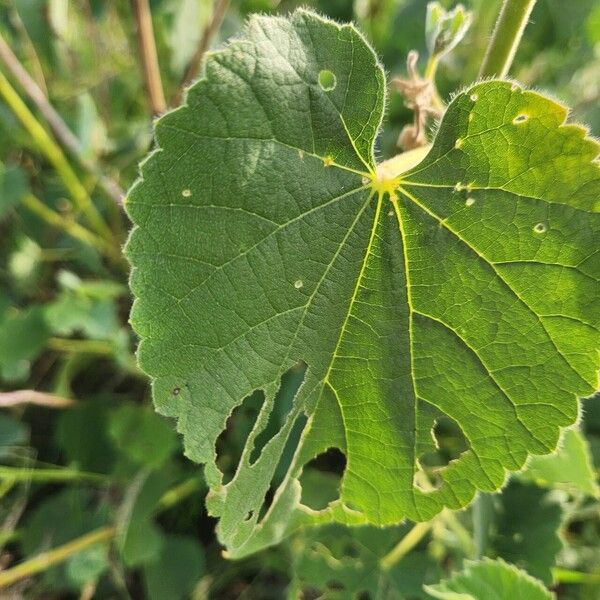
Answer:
(458, 292)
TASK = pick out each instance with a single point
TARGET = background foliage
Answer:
(94, 458)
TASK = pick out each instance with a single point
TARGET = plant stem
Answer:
(55, 155)
(179, 492)
(60, 129)
(195, 66)
(49, 475)
(148, 56)
(47, 559)
(507, 34)
(55, 556)
(20, 397)
(72, 228)
(482, 513)
(99, 347)
(405, 545)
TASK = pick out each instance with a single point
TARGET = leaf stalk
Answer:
(506, 37)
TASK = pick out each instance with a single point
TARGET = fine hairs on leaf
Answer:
(462, 290)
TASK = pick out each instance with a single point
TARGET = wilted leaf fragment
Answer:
(490, 580)
(462, 290)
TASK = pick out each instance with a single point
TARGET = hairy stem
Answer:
(54, 154)
(148, 56)
(507, 34)
(60, 129)
(195, 66)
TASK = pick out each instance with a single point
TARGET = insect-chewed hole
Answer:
(520, 119)
(282, 406)
(327, 80)
(285, 460)
(231, 441)
(450, 442)
(321, 478)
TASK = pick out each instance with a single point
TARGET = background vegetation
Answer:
(89, 474)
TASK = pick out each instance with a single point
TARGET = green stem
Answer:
(405, 545)
(179, 492)
(46, 560)
(49, 475)
(72, 228)
(507, 34)
(56, 157)
(99, 347)
(482, 513)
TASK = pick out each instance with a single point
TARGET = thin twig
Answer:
(20, 397)
(195, 66)
(148, 56)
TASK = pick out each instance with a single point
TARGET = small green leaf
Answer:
(527, 529)
(23, 335)
(460, 291)
(490, 580)
(143, 436)
(569, 468)
(445, 29)
(57, 520)
(13, 185)
(179, 567)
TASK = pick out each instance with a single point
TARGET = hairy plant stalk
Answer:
(60, 129)
(54, 154)
(148, 56)
(506, 37)
(208, 35)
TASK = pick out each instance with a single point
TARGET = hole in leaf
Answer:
(231, 441)
(284, 462)
(282, 406)
(540, 228)
(449, 444)
(327, 80)
(321, 478)
(520, 119)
